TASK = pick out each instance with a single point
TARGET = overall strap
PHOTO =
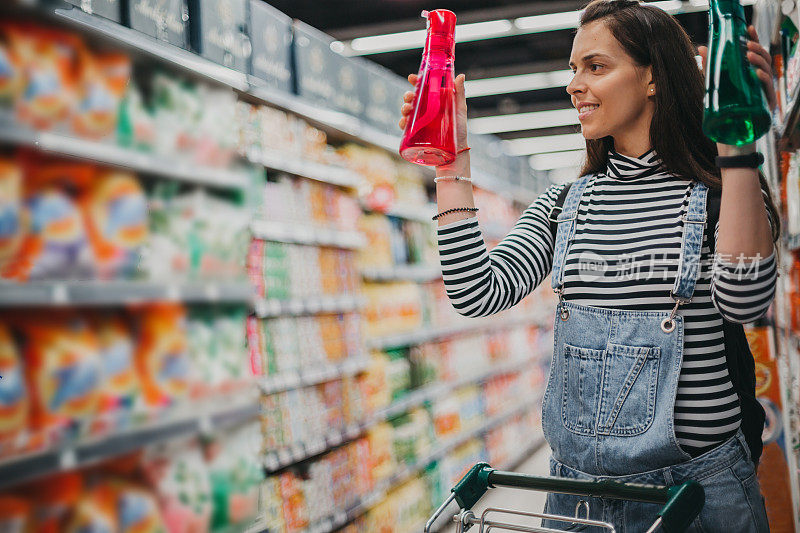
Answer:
(566, 229)
(694, 222)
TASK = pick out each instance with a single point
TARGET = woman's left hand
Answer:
(760, 59)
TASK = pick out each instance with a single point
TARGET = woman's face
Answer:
(611, 93)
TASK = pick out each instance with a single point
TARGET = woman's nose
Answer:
(575, 85)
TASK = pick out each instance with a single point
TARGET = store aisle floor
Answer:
(519, 500)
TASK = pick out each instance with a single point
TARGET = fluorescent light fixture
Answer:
(524, 121)
(409, 40)
(543, 144)
(518, 83)
(482, 30)
(553, 160)
(406, 40)
(549, 22)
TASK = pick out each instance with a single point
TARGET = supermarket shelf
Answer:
(300, 234)
(31, 466)
(292, 164)
(313, 376)
(428, 334)
(407, 472)
(109, 154)
(193, 64)
(417, 273)
(135, 41)
(299, 452)
(268, 308)
(58, 293)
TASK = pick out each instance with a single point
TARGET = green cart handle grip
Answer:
(685, 503)
(682, 503)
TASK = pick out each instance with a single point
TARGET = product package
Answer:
(162, 358)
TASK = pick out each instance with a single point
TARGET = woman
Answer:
(639, 388)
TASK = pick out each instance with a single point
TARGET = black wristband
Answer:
(753, 160)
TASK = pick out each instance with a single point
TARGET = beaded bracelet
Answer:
(454, 210)
(452, 178)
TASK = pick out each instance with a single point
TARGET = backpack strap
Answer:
(741, 366)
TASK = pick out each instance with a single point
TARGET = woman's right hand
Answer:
(461, 109)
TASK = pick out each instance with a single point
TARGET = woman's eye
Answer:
(594, 67)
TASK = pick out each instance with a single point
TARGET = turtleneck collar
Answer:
(623, 167)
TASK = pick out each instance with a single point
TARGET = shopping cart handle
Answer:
(473, 485)
(685, 503)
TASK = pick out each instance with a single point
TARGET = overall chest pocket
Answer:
(611, 391)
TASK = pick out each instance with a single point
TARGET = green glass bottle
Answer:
(735, 109)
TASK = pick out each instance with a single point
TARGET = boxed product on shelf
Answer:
(167, 21)
(405, 508)
(378, 171)
(309, 203)
(195, 235)
(293, 500)
(218, 31)
(193, 119)
(413, 436)
(391, 308)
(271, 36)
(301, 416)
(285, 271)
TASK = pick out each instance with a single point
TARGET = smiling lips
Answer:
(584, 110)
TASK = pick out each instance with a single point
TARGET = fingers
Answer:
(751, 30)
(753, 47)
(408, 98)
(702, 51)
(460, 84)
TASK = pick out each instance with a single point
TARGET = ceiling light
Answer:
(518, 83)
(409, 40)
(549, 22)
(553, 160)
(524, 121)
(547, 143)
(482, 30)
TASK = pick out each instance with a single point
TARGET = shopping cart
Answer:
(681, 503)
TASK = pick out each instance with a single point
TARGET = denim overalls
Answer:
(608, 408)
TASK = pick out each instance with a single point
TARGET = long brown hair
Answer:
(654, 38)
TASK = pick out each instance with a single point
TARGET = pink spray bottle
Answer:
(430, 134)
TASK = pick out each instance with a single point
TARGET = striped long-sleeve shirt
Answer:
(624, 255)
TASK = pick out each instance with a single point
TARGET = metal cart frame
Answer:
(681, 503)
